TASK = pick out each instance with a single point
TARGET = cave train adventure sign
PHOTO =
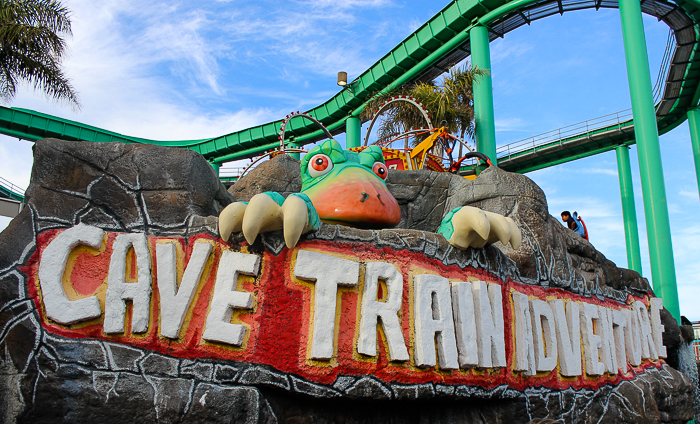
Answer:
(327, 308)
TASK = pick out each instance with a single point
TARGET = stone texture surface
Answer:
(280, 174)
(550, 255)
(121, 186)
(48, 378)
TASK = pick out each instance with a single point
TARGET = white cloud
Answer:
(333, 4)
(502, 51)
(603, 171)
(690, 194)
(131, 38)
(509, 124)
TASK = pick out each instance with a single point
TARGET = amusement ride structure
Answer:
(465, 28)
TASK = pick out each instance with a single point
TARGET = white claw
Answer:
(500, 228)
(296, 218)
(471, 228)
(231, 219)
(516, 238)
(262, 214)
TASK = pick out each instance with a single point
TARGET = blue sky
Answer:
(179, 70)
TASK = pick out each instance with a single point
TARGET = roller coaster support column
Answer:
(296, 156)
(629, 214)
(483, 93)
(216, 167)
(694, 123)
(647, 137)
(353, 128)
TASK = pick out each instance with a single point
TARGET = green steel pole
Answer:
(629, 214)
(483, 93)
(296, 156)
(353, 128)
(649, 153)
(694, 124)
(216, 167)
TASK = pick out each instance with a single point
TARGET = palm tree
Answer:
(450, 103)
(32, 45)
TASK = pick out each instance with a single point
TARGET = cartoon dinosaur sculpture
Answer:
(347, 188)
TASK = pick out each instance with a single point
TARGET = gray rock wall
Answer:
(123, 187)
(167, 192)
(551, 255)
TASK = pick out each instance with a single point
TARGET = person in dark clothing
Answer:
(572, 224)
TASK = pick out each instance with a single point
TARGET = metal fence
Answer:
(231, 173)
(12, 188)
(580, 128)
(588, 126)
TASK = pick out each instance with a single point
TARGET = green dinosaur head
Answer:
(347, 187)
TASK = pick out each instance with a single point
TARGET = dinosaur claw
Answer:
(516, 238)
(269, 212)
(500, 228)
(231, 219)
(471, 228)
(262, 214)
(296, 220)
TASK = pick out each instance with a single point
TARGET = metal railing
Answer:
(586, 127)
(580, 128)
(664, 67)
(11, 188)
(230, 173)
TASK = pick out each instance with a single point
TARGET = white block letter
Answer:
(633, 343)
(51, 269)
(657, 304)
(327, 272)
(175, 301)
(544, 335)
(608, 354)
(465, 324)
(373, 309)
(434, 323)
(118, 290)
(524, 345)
(619, 320)
(568, 336)
(591, 340)
(226, 298)
(488, 305)
(648, 345)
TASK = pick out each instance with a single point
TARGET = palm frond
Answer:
(32, 45)
(450, 102)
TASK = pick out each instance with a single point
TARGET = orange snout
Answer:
(357, 198)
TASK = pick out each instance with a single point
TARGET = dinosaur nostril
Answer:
(364, 197)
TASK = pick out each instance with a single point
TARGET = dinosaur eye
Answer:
(319, 165)
(380, 169)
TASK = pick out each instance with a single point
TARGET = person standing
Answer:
(572, 224)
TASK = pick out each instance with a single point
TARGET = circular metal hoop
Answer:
(263, 156)
(283, 127)
(387, 104)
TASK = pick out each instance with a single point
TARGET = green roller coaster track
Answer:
(10, 191)
(444, 41)
(425, 54)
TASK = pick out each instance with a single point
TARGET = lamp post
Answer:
(342, 79)
(353, 124)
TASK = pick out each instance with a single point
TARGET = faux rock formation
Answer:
(76, 372)
(550, 254)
